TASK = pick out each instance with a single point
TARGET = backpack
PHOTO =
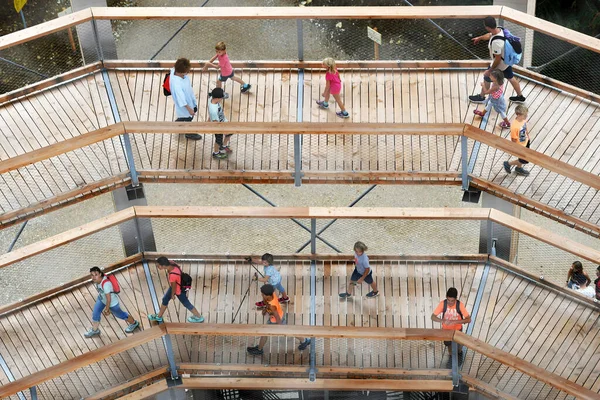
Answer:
(457, 309)
(512, 47)
(167, 84)
(185, 283)
(115, 284)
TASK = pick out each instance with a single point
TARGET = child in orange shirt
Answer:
(272, 307)
(519, 134)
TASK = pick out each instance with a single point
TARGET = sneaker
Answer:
(478, 112)
(132, 327)
(323, 104)
(504, 125)
(219, 155)
(245, 88)
(304, 344)
(517, 99)
(255, 351)
(92, 333)
(193, 318)
(521, 171)
(507, 167)
(477, 98)
(251, 347)
(193, 136)
(345, 295)
(284, 299)
(260, 304)
(372, 294)
(342, 114)
(227, 149)
(155, 317)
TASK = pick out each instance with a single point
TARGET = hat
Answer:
(217, 93)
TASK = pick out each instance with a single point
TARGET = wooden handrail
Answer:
(486, 387)
(133, 382)
(526, 367)
(82, 361)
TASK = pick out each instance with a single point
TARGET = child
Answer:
(107, 302)
(226, 70)
(362, 272)
(275, 317)
(495, 98)
(333, 87)
(273, 278)
(519, 134)
(577, 277)
(174, 290)
(216, 114)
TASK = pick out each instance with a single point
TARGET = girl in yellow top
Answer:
(519, 134)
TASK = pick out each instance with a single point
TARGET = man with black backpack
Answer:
(505, 51)
(180, 283)
(453, 314)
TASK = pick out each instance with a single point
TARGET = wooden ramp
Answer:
(524, 318)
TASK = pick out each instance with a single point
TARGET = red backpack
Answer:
(167, 84)
(112, 279)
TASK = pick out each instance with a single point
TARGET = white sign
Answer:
(374, 35)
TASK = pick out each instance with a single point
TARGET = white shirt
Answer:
(497, 47)
(183, 94)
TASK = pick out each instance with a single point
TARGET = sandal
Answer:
(480, 113)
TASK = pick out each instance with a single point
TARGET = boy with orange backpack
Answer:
(107, 302)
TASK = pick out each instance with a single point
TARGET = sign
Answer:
(372, 34)
(19, 4)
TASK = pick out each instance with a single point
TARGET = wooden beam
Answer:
(46, 83)
(289, 128)
(82, 361)
(533, 156)
(308, 331)
(45, 28)
(546, 236)
(562, 290)
(66, 237)
(534, 205)
(74, 143)
(7, 309)
(486, 388)
(226, 13)
(148, 391)
(319, 384)
(551, 29)
(527, 368)
(136, 381)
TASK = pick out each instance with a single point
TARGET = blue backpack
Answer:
(512, 47)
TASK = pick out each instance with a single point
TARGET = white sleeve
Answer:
(108, 287)
(498, 47)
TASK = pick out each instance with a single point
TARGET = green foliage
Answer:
(579, 15)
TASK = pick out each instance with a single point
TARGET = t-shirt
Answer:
(183, 94)
(106, 287)
(497, 47)
(519, 133)
(451, 314)
(175, 276)
(597, 284)
(277, 307)
(498, 93)
(335, 84)
(361, 263)
(225, 65)
(215, 112)
(273, 274)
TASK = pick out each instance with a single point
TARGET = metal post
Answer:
(455, 374)
(97, 40)
(300, 40)
(17, 236)
(464, 150)
(298, 137)
(33, 392)
(312, 372)
(490, 238)
(23, 19)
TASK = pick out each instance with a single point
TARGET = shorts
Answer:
(279, 287)
(283, 321)
(356, 276)
(224, 78)
(184, 119)
(449, 343)
(508, 74)
(525, 161)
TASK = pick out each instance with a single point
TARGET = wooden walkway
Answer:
(523, 318)
(563, 126)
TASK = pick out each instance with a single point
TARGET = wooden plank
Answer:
(124, 386)
(486, 388)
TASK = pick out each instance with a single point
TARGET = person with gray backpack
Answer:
(505, 51)
(179, 286)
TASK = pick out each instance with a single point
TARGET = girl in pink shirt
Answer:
(333, 87)
(226, 70)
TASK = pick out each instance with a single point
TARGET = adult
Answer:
(107, 302)
(577, 278)
(597, 283)
(496, 48)
(185, 101)
(452, 314)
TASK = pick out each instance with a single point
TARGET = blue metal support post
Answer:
(298, 137)
(33, 393)
(455, 373)
(464, 152)
(312, 372)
